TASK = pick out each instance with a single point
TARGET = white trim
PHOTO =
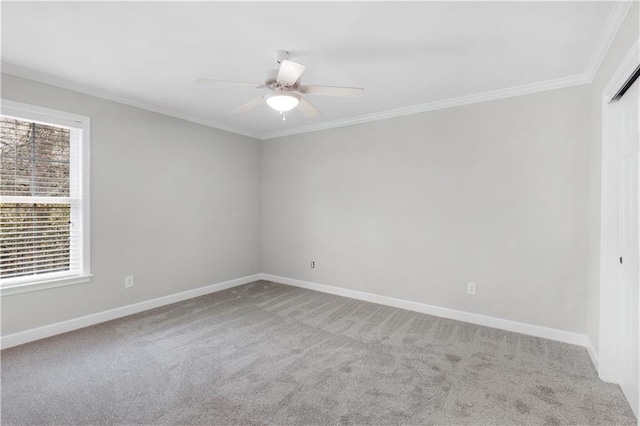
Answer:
(43, 332)
(105, 94)
(499, 323)
(525, 89)
(78, 124)
(85, 193)
(593, 355)
(28, 286)
(27, 336)
(608, 336)
(626, 67)
(612, 26)
(614, 22)
(510, 92)
(43, 115)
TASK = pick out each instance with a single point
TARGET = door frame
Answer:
(609, 250)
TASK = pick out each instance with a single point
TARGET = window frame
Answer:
(37, 114)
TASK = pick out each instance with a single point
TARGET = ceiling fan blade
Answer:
(344, 92)
(307, 109)
(290, 72)
(228, 83)
(255, 102)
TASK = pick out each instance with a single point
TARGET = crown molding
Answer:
(414, 109)
(614, 22)
(526, 89)
(45, 78)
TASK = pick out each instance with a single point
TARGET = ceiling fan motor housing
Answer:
(270, 80)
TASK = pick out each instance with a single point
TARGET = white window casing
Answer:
(45, 234)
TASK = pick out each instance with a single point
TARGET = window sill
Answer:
(43, 285)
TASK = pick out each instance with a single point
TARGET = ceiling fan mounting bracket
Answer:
(281, 55)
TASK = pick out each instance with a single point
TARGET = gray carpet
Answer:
(266, 353)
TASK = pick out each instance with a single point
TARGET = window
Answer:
(44, 199)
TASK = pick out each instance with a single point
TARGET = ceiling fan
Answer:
(286, 90)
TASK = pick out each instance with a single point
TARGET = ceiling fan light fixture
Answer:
(283, 102)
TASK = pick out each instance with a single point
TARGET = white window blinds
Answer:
(41, 201)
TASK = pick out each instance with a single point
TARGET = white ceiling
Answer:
(404, 54)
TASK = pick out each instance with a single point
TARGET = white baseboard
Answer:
(27, 336)
(499, 323)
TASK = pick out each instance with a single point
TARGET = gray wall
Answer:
(504, 193)
(173, 203)
(627, 36)
(416, 206)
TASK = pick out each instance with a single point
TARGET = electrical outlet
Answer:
(471, 288)
(313, 264)
(128, 281)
